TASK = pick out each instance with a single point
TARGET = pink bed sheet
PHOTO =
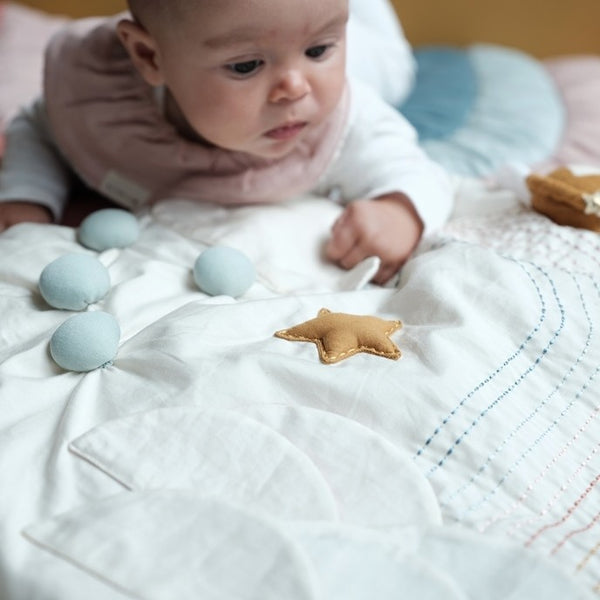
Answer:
(578, 80)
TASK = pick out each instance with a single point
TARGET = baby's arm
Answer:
(393, 192)
(34, 180)
(12, 213)
(388, 227)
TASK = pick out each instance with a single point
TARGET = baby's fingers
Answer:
(386, 272)
(343, 239)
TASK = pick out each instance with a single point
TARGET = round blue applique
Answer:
(85, 341)
(222, 270)
(444, 93)
(108, 228)
(479, 108)
(74, 281)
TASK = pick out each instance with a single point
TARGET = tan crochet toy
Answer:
(566, 198)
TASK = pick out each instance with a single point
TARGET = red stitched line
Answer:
(574, 533)
(569, 512)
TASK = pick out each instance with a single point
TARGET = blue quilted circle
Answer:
(444, 94)
(480, 108)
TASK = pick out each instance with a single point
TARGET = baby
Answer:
(228, 102)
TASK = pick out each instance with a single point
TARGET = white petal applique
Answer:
(220, 453)
(354, 564)
(167, 545)
(375, 484)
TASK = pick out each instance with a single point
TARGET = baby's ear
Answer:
(142, 49)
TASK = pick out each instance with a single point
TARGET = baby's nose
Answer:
(292, 85)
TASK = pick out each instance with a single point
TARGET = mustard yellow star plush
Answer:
(341, 335)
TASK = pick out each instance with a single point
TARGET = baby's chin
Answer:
(279, 148)
(273, 145)
(265, 153)
(276, 153)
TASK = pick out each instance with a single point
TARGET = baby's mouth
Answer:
(287, 131)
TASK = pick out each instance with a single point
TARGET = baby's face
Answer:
(257, 75)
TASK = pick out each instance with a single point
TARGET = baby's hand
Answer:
(388, 227)
(12, 213)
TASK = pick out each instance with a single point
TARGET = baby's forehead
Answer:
(170, 11)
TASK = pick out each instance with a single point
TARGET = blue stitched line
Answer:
(515, 384)
(499, 448)
(489, 378)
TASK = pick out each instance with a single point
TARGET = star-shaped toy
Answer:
(341, 335)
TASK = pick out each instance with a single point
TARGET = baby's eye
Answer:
(316, 51)
(246, 67)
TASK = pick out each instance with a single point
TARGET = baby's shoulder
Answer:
(369, 113)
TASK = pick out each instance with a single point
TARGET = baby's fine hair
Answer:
(143, 8)
(156, 10)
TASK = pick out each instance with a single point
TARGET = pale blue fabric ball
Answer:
(74, 281)
(108, 228)
(221, 270)
(85, 341)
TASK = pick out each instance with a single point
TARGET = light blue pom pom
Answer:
(85, 341)
(74, 281)
(221, 270)
(108, 228)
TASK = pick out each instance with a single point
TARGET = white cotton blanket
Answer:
(214, 460)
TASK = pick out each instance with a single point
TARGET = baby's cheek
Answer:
(225, 114)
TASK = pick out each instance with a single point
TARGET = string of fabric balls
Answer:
(90, 339)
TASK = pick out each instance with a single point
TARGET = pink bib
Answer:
(107, 123)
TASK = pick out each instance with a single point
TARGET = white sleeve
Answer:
(377, 51)
(32, 168)
(381, 155)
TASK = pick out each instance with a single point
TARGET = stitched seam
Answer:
(350, 351)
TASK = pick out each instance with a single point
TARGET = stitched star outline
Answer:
(341, 335)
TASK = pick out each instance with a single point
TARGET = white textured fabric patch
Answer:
(289, 462)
